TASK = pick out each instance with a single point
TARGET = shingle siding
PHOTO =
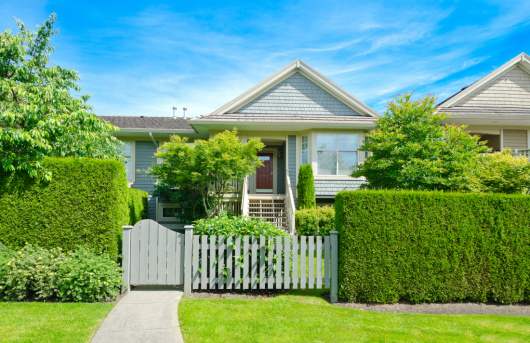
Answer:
(144, 159)
(512, 89)
(297, 95)
(332, 187)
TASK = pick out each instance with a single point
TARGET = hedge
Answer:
(315, 221)
(86, 203)
(137, 205)
(306, 187)
(433, 246)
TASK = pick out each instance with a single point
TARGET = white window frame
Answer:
(131, 178)
(337, 150)
(305, 150)
(160, 212)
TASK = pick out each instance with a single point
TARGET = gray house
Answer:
(300, 115)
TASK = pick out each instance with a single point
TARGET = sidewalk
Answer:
(145, 314)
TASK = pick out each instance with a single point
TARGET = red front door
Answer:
(264, 173)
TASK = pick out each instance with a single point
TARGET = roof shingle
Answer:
(146, 122)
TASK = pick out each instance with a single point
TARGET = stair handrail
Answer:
(244, 197)
(291, 208)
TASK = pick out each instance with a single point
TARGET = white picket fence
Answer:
(153, 254)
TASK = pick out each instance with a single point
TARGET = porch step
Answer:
(270, 208)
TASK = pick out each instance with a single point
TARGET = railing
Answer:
(521, 152)
(289, 204)
(244, 197)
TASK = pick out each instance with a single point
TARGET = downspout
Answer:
(153, 139)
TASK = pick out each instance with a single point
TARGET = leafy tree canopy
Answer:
(206, 167)
(411, 150)
(38, 115)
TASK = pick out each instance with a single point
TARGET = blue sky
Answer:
(144, 57)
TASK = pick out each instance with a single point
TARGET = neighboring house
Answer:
(496, 107)
(305, 118)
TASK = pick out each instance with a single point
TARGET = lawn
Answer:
(51, 322)
(305, 317)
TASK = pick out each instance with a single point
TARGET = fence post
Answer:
(126, 261)
(334, 266)
(188, 237)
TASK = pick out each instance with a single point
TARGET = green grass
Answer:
(305, 317)
(51, 322)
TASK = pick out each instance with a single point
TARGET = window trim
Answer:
(131, 180)
(303, 150)
(337, 150)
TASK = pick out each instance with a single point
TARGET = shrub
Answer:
(501, 172)
(35, 273)
(315, 222)
(225, 225)
(137, 205)
(84, 204)
(306, 187)
(433, 246)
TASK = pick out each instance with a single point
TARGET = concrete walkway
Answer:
(145, 314)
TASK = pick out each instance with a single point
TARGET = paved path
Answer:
(145, 314)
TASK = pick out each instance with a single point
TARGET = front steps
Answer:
(268, 207)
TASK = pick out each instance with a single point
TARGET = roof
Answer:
(149, 123)
(522, 59)
(485, 111)
(303, 68)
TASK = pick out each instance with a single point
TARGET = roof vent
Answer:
(174, 112)
(184, 109)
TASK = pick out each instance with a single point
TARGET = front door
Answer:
(264, 174)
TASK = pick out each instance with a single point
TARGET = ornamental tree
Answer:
(206, 167)
(38, 114)
(411, 150)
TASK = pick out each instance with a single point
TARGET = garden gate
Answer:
(155, 255)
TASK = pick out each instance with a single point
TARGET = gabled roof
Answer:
(148, 123)
(522, 60)
(303, 68)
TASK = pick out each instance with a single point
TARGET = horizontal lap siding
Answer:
(514, 139)
(291, 163)
(144, 159)
(332, 187)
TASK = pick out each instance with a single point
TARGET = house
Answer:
(496, 107)
(305, 118)
(299, 114)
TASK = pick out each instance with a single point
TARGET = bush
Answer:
(315, 222)
(137, 205)
(306, 187)
(501, 172)
(84, 204)
(35, 273)
(433, 246)
(225, 225)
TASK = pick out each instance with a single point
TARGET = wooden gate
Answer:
(152, 255)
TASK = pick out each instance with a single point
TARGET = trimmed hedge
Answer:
(306, 187)
(315, 221)
(137, 205)
(433, 246)
(86, 203)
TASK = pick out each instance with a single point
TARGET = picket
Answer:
(155, 255)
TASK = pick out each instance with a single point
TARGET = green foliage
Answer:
(410, 150)
(38, 115)
(501, 172)
(189, 199)
(315, 222)
(433, 246)
(306, 187)
(240, 226)
(137, 205)
(86, 204)
(41, 274)
(207, 167)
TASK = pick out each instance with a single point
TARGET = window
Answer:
(127, 152)
(305, 149)
(336, 154)
(168, 212)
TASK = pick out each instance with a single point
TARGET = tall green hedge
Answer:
(433, 246)
(137, 205)
(86, 203)
(306, 187)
